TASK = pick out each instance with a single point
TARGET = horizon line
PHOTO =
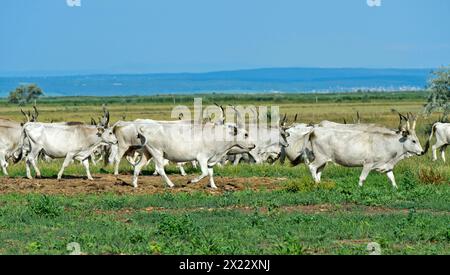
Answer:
(86, 73)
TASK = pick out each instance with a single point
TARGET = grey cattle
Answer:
(10, 138)
(180, 142)
(372, 150)
(442, 132)
(10, 133)
(129, 141)
(69, 141)
(298, 149)
(269, 142)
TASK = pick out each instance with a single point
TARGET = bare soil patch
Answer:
(106, 183)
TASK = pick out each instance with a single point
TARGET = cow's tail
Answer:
(427, 145)
(305, 155)
(142, 138)
(19, 153)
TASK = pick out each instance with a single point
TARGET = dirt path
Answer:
(121, 185)
(306, 209)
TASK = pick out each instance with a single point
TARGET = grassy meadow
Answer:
(295, 217)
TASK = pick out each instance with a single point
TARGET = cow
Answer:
(298, 149)
(10, 135)
(180, 142)
(269, 142)
(371, 150)
(64, 140)
(128, 140)
(442, 131)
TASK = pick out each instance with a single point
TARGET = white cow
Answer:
(181, 142)
(442, 131)
(10, 133)
(10, 138)
(69, 141)
(298, 149)
(372, 150)
(129, 142)
(269, 143)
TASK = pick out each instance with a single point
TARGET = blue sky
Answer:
(137, 36)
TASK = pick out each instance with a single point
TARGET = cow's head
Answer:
(239, 136)
(107, 135)
(409, 137)
(105, 132)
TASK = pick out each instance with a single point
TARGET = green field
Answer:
(291, 216)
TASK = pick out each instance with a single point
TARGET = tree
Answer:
(25, 93)
(439, 87)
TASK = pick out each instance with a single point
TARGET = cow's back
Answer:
(443, 132)
(10, 133)
(353, 147)
(59, 139)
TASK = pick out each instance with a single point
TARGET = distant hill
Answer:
(270, 80)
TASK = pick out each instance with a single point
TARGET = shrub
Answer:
(431, 176)
(306, 184)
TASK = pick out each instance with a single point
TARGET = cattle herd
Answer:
(370, 146)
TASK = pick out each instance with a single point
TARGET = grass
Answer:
(299, 217)
(114, 224)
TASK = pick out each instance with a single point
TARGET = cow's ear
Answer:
(100, 131)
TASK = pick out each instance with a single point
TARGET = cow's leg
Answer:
(155, 173)
(181, 168)
(3, 164)
(194, 164)
(443, 152)
(204, 168)
(433, 149)
(313, 171)
(160, 162)
(237, 159)
(27, 168)
(316, 168)
(319, 171)
(211, 179)
(391, 177)
(86, 166)
(67, 161)
(36, 169)
(138, 167)
(31, 160)
(92, 157)
(118, 157)
(364, 173)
